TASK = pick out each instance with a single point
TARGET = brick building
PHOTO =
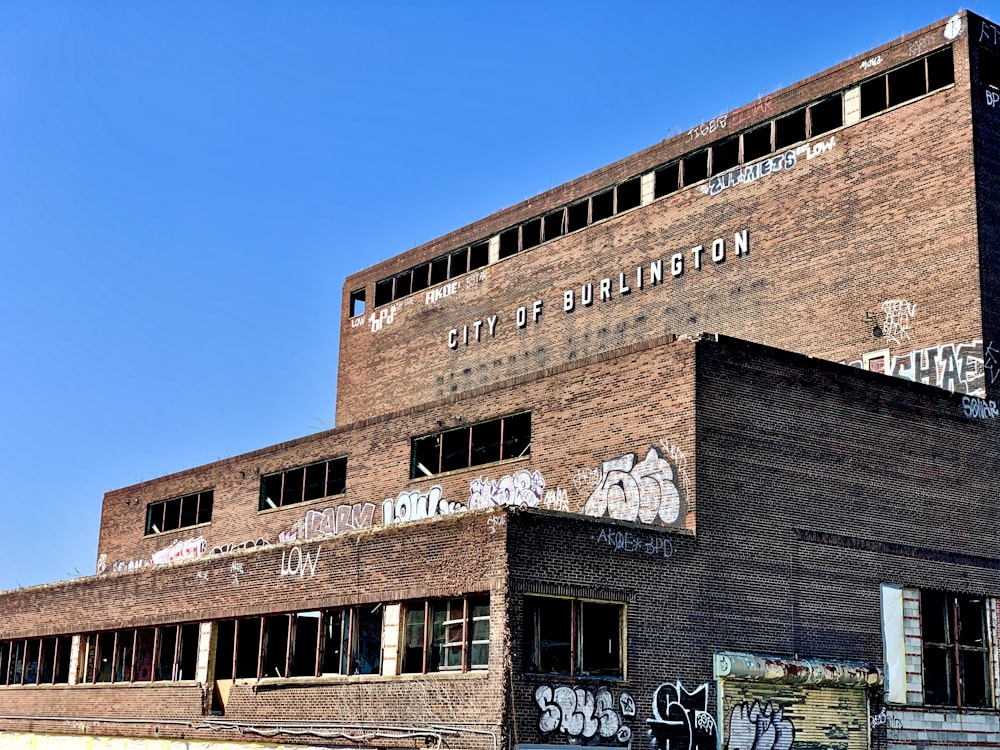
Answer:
(554, 512)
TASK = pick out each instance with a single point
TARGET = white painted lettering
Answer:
(656, 272)
(623, 288)
(568, 300)
(476, 327)
(492, 323)
(587, 295)
(465, 335)
(638, 277)
(718, 250)
(677, 264)
(742, 242)
(453, 338)
(536, 310)
(521, 317)
(605, 289)
(696, 252)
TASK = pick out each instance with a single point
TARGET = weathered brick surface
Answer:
(889, 213)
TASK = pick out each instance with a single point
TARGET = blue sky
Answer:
(185, 185)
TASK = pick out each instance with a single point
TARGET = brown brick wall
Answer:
(888, 214)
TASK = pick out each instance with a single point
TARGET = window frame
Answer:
(265, 503)
(430, 640)
(956, 654)
(533, 643)
(204, 507)
(424, 447)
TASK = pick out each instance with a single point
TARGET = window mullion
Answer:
(156, 655)
(427, 636)
(953, 623)
(465, 633)
(574, 632)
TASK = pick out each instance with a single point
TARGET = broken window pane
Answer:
(757, 143)
(64, 645)
(144, 655)
(629, 194)
(459, 262)
(826, 115)
(357, 303)
(725, 155)
(426, 456)
(336, 630)
(789, 129)
(105, 656)
(439, 270)
(305, 642)
(187, 663)
(486, 442)
(172, 514)
(479, 640)
(531, 234)
(553, 224)
(941, 69)
(447, 635)
(270, 492)
(17, 662)
(46, 661)
(455, 449)
(336, 478)
(548, 625)
(413, 640)
(479, 255)
(4, 661)
(189, 510)
(403, 284)
(315, 481)
(383, 292)
(225, 642)
(666, 179)
(31, 656)
(517, 435)
(602, 206)
(509, 242)
(154, 518)
(907, 82)
(873, 96)
(293, 486)
(248, 647)
(600, 639)
(275, 646)
(366, 654)
(205, 502)
(123, 656)
(166, 653)
(577, 216)
(421, 277)
(695, 167)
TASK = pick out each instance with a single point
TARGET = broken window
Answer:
(302, 484)
(335, 641)
(403, 284)
(989, 68)
(248, 647)
(695, 167)
(602, 206)
(789, 129)
(446, 635)
(552, 224)
(145, 643)
(166, 656)
(574, 637)
(757, 143)
(826, 115)
(439, 270)
(366, 643)
(873, 97)
(357, 302)
(274, 649)
(481, 443)
(304, 644)
(179, 512)
(956, 650)
(458, 262)
(941, 69)
(17, 662)
(4, 661)
(531, 234)
(577, 215)
(383, 292)
(725, 155)
(628, 195)
(421, 277)
(666, 179)
(907, 82)
(509, 242)
(479, 255)
(124, 650)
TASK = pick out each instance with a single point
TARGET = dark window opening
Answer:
(479, 255)
(907, 82)
(459, 262)
(145, 642)
(956, 650)
(826, 115)
(304, 483)
(790, 129)
(17, 663)
(179, 512)
(577, 216)
(574, 637)
(383, 292)
(31, 657)
(553, 224)
(509, 242)
(989, 67)
(304, 645)
(124, 651)
(166, 657)
(602, 206)
(357, 303)
(757, 143)
(941, 69)
(725, 155)
(478, 444)
(274, 649)
(531, 234)
(403, 285)
(666, 179)
(873, 96)
(366, 644)
(421, 277)
(629, 195)
(248, 647)
(439, 270)
(335, 643)
(695, 167)
(225, 646)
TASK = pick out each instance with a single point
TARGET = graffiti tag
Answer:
(581, 713)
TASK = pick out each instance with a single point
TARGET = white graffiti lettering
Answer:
(898, 314)
(249, 544)
(414, 505)
(883, 719)
(626, 541)
(979, 408)
(522, 489)
(185, 549)
(495, 523)
(337, 520)
(871, 62)
(298, 564)
(643, 491)
(381, 318)
(954, 367)
(556, 499)
(579, 712)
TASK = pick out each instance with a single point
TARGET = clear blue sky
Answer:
(185, 185)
